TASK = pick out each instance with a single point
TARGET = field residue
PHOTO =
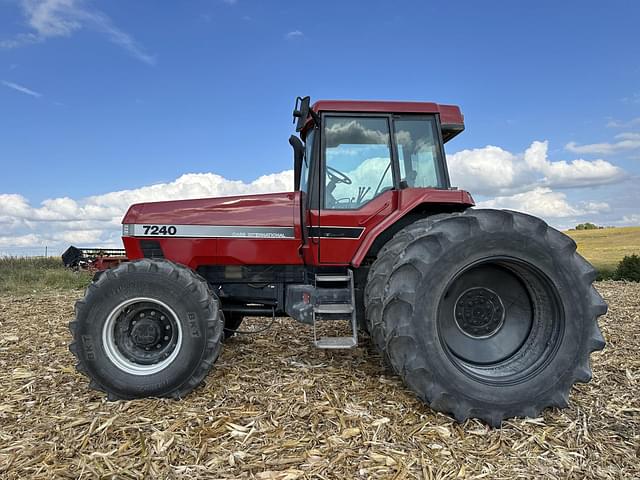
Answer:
(273, 407)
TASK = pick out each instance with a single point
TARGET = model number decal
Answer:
(159, 230)
(207, 231)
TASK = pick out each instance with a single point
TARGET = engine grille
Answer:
(151, 249)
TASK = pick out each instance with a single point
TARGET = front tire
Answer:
(147, 328)
(490, 314)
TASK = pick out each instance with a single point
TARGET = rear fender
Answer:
(413, 203)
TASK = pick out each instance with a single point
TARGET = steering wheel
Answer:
(337, 176)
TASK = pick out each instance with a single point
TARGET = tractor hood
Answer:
(267, 210)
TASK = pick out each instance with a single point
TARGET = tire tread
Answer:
(188, 278)
(389, 291)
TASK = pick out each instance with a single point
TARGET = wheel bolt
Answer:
(147, 348)
(167, 327)
(166, 338)
(133, 322)
(158, 346)
(142, 315)
(161, 317)
(153, 314)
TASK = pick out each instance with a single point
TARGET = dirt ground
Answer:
(273, 407)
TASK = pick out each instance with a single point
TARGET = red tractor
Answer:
(483, 313)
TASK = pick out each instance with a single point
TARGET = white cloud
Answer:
(494, 171)
(28, 240)
(21, 89)
(543, 202)
(483, 170)
(633, 219)
(61, 18)
(613, 123)
(633, 98)
(577, 173)
(294, 34)
(626, 142)
(13, 205)
(95, 220)
(596, 207)
(366, 176)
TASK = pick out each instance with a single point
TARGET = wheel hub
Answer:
(145, 332)
(486, 316)
(142, 336)
(479, 312)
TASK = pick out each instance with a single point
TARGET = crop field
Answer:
(605, 247)
(36, 274)
(273, 407)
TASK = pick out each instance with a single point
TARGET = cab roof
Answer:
(451, 118)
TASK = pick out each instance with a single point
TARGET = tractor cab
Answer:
(363, 149)
(355, 162)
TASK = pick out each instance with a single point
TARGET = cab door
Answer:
(357, 180)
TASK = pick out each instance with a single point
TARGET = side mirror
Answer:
(301, 112)
(298, 155)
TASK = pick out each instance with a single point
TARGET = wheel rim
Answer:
(500, 320)
(142, 336)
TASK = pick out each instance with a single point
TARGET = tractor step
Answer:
(332, 308)
(332, 278)
(336, 342)
(336, 311)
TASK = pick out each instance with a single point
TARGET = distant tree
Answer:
(629, 268)
(586, 226)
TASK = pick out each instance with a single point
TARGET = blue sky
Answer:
(99, 97)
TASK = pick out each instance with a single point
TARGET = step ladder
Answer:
(337, 311)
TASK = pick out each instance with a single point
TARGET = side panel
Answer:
(268, 210)
(220, 231)
(218, 251)
(258, 252)
(372, 220)
(340, 232)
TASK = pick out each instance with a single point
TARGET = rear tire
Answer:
(489, 314)
(147, 328)
(380, 272)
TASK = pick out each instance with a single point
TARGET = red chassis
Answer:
(280, 210)
(272, 224)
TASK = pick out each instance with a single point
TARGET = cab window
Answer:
(419, 155)
(306, 161)
(357, 161)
